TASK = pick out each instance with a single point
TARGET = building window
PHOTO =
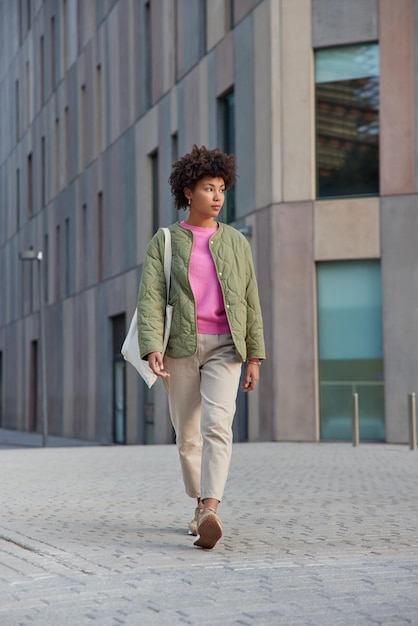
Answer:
(146, 54)
(65, 33)
(20, 22)
(18, 218)
(58, 263)
(174, 156)
(83, 128)
(119, 383)
(99, 109)
(17, 109)
(202, 28)
(347, 120)
(29, 13)
(42, 69)
(67, 273)
(149, 415)
(84, 241)
(100, 246)
(67, 144)
(229, 15)
(30, 186)
(28, 94)
(25, 9)
(174, 146)
(52, 52)
(57, 155)
(33, 390)
(31, 286)
(46, 268)
(226, 114)
(350, 348)
(43, 172)
(155, 201)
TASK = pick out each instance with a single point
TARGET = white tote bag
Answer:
(130, 348)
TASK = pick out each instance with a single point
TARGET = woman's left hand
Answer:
(252, 376)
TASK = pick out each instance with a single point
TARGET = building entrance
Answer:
(119, 384)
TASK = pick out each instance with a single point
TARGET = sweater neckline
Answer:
(199, 229)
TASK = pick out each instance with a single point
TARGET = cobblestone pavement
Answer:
(315, 535)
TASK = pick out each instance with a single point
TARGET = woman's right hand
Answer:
(156, 363)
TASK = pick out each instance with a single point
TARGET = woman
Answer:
(216, 325)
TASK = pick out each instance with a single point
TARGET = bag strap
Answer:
(167, 259)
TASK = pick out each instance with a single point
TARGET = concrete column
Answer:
(397, 137)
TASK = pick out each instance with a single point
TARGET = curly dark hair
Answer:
(200, 162)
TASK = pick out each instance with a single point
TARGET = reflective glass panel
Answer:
(350, 348)
(347, 120)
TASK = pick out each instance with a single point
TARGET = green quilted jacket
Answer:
(233, 260)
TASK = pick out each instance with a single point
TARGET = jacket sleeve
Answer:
(152, 298)
(254, 332)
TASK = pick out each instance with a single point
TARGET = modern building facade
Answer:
(317, 98)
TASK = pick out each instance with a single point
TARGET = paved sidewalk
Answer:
(315, 535)
(23, 439)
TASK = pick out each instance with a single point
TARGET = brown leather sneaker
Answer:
(193, 522)
(209, 529)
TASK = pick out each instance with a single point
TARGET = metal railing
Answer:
(412, 420)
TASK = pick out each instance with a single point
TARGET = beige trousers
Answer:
(202, 391)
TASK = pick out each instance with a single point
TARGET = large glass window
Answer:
(155, 199)
(347, 120)
(350, 348)
(227, 142)
(119, 384)
(29, 198)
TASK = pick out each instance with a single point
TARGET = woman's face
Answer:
(207, 198)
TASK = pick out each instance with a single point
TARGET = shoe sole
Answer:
(209, 533)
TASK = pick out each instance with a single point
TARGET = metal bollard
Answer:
(356, 436)
(412, 421)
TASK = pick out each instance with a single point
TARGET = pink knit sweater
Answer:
(211, 316)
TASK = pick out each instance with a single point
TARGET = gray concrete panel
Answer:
(182, 120)
(212, 103)
(399, 228)
(127, 212)
(165, 157)
(244, 116)
(265, 288)
(80, 374)
(13, 391)
(192, 109)
(293, 302)
(337, 22)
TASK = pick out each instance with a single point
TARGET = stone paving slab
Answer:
(315, 535)
(23, 439)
